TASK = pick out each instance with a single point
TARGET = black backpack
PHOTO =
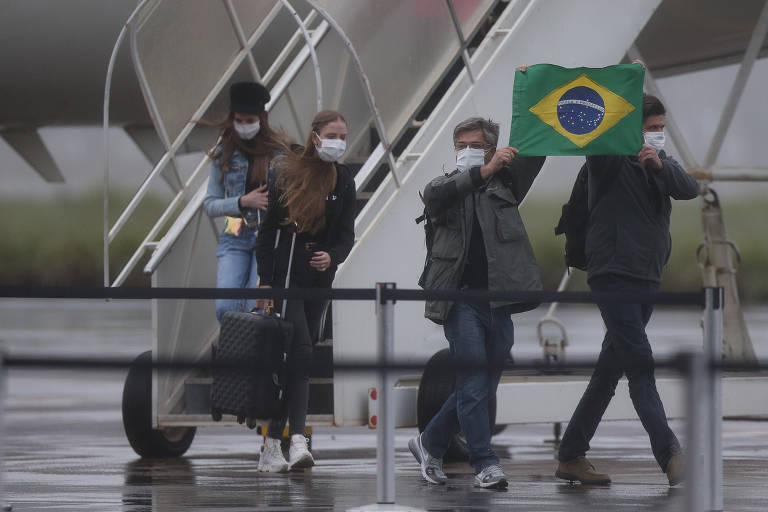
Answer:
(574, 220)
(429, 238)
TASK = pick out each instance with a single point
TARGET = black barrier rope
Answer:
(677, 362)
(393, 294)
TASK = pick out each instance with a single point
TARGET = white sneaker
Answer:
(299, 456)
(431, 467)
(491, 477)
(271, 459)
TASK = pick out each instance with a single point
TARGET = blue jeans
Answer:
(625, 350)
(479, 335)
(237, 269)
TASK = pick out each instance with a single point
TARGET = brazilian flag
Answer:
(578, 111)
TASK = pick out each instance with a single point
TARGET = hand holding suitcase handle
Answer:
(264, 304)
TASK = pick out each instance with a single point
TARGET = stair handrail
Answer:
(171, 148)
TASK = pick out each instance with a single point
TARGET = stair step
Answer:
(322, 364)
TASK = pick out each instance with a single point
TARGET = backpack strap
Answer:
(421, 218)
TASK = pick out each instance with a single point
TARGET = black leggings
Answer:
(305, 316)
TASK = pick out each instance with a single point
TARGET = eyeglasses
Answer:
(458, 146)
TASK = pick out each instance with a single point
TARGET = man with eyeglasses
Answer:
(479, 243)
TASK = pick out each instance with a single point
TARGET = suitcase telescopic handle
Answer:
(290, 260)
(288, 274)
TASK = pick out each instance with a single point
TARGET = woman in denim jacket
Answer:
(237, 188)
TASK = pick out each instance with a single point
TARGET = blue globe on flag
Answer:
(580, 110)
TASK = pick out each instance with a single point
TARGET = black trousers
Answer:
(305, 315)
(625, 351)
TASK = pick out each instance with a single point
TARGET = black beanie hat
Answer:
(248, 97)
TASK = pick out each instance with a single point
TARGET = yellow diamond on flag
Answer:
(582, 110)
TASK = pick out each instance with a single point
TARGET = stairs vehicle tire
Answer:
(137, 417)
(435, 387)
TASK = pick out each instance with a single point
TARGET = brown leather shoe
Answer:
(582, 470)
(675, 469)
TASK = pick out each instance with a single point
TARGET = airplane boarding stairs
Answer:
(398, 71)
(390, 241)
(345, 55)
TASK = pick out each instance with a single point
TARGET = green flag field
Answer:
(577, 111)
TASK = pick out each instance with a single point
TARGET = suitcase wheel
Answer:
(216, 414)
(240, 419)
(251, 423)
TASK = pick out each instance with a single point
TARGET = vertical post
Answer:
(3, 506)
(713, 351)
(385, 453)
(695, 487)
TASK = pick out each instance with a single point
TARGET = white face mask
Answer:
(247, 131)
(331, 150)
(655, 139)
(469, 157)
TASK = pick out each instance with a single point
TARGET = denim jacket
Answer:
(223, 193)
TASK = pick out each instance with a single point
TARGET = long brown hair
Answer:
(306, 180)
(260, 147)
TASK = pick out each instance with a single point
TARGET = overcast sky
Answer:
(696, 101)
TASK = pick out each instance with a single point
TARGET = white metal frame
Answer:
(708, 171)
(378, 123)
(172, 147)
(194, 202)
(462, 41)
(312, 52)
(186, 194)
(515, 16)
(399, 171)
(379, 155)
(737, 90)
(105, 131)
(383, 151)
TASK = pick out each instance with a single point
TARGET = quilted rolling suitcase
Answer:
(262, 341)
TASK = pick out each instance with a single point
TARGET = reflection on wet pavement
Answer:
(65, 450)
(72, 459)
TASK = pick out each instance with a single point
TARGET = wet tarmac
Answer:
(65, 450)
(64, 447)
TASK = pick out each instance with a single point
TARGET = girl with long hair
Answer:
(237, 187)
(313, 196)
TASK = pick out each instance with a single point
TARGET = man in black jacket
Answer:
(627, 245)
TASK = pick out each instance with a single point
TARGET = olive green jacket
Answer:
(450, 201)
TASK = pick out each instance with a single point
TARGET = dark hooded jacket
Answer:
(628, 231)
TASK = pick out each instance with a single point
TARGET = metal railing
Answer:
(382, 154)
(702, 369)
(171, 147)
